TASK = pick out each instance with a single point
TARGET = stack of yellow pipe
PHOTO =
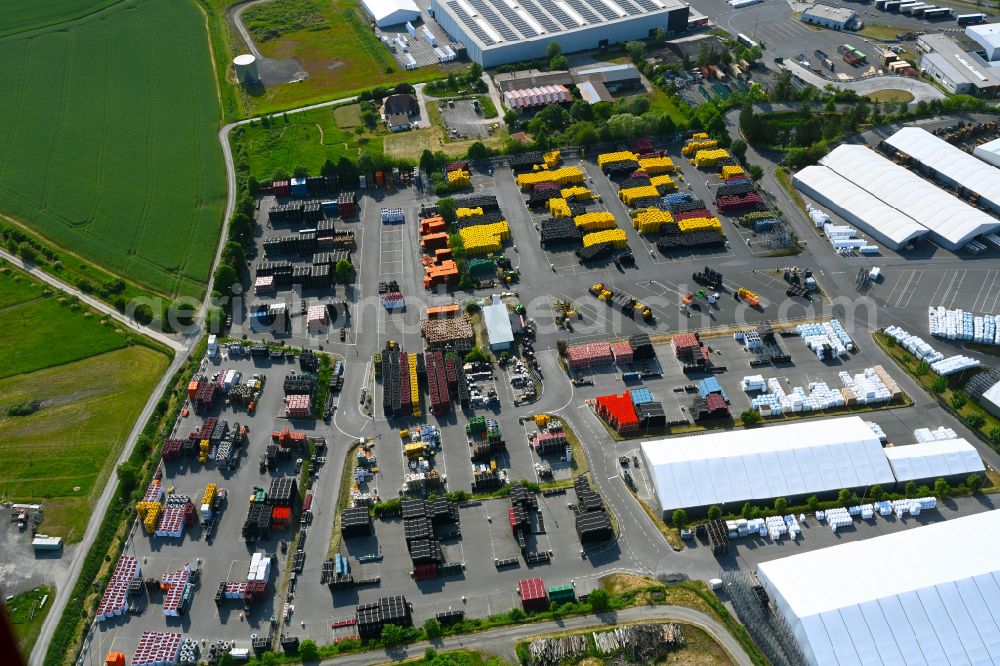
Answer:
(730, 170)
(611, 158)
(705, 158)
(209, 495)
(564, 176)
(468, 212)
(558, 207)
(484, 238)
(414, 389)
(595, 221)
(459, 178)
(630, 194)
(655, 165)
(615, 236)
(695, 145)
(663, 181)
(650, 220)
(700, 224)
(577, 193)
(551, 158)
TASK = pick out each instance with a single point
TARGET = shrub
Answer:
(750, 417)
(959, 399)
(599, 600)
(679, 518)
(975, 421)
(308, 650)
(432, 628)
(939, 385)
(714, 512)
(780, 504)
(922, 369)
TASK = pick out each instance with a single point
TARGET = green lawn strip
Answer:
(343, 499)
(140, 192)
(26, 615)
(235, 103)
(280, 17)
(98, 565)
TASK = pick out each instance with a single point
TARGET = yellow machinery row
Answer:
(650, 220)
(484, 238)
(657, 165)
(595, 221)
(468, 212)
(414, 389)
(564, 176)
(558, 207)
(693, 224)
(630, 194)
(663, 181)
(577, 193)
(611, 158)
(616, 237)
(707, 158)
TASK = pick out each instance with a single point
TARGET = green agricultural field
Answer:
(303, 140)
(86, 387)
(108, 142)
(27, 615)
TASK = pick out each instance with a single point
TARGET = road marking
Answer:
(958, 289)
(913, 290)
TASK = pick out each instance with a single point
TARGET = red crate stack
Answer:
(437, 382)
(156, 648)
(734, 203)
(584, 356)
(281, 517)
(549, 442)
(406, 399)
(716, 406)
(115, 599)
(207, 426)
(282, 188)
(533, 596)
(451, 372)
(691, 214)
(643, 145)
(545, 185)
(619, 412)
(685, 344)
(346, 205)
(622, 351)
(172, 449)
(425, 571)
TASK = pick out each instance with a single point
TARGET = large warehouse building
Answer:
(927, 595)
(497, 32)
(759, 465)
(949, 221)
(951, 459)
(989, 152)
(949, 164)
(391, 12)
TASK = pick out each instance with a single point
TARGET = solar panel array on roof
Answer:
(585, 11)
(547, 24)
(558, 13)
(470, 23)
(604, 10)
(521, 25)
(487, 13)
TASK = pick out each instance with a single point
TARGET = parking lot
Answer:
(463, 119)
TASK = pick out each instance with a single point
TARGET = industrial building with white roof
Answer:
(949, 164)
(496, 32)
(927, 595)
(951, 459)
(989, 152)
(759, 465)
(948, 221)
(391, 12)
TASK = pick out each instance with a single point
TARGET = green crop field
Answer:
(87, 388)
(27, 615)
(108, 142)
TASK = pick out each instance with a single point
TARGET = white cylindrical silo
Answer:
(246, 69)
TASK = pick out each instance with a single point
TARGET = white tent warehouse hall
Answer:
(951, 221)
(758, 465)
(949, 164)
(391, 12)
(950, 459)
(859, 207)
(926, 595)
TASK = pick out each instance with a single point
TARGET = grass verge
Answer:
(891, 95)
(26, 614)
(346, 480)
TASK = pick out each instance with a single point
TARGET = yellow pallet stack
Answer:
(630, 194)
(657, 165)
(700, 135)
(414, 390)
(596, 221)
(731, 170)
(707, 158)
(468, 212)
(694, 145)
(484, 238)
(459, 178)
(611, 158)
(558, 207)
(149, 512)
(700, 224)
(650, 220)
(663, 181)
(564, 176)
(209, 496)
(577, 193)
(616, 237)
(552, 159)
(203, 448)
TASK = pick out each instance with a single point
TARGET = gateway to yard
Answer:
(927, 595)
(759, 465)
(496, 32)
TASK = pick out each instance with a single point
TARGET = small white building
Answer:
(498, 329)
(391, 12)
(834, 18)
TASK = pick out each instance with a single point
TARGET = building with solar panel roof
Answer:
(496, 32)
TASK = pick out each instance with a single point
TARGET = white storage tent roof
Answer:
(989, 152)
(761, 463)
(927, 595)
(929, 460)
(391, 12)
(858, 206)
(952, 222)
(949, 161)
(498, 328)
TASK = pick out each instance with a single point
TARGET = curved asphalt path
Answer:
(507, 637)
(921, 90)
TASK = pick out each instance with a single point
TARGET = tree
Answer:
(430, 654)
(922, 369)
(432, 628)
(714, 512)
(224, 279)
(475, 71)
(143, 314)
(477, 355)
(844, 496)
(553, 49)
(234, 255)
(478, 151)
(558, 62)
(599, 600)
(308, 650)
(300, 172)
(975, 421)
(345, 271)
(227, 660)
(747, 511)
(974, 482)
(780, 505)
(910, 489)
(750, 417)
(739, 149)
(755, 171)
(939, 384)
(26, 252)
(392, 635)
(941, 487)
(679, 518)
(636, 51)
(812, 502)
(427, 161)
(279, 174)
(877, 492)
(959, 399)
(659, 37)
(128, 475)
(269, 658)
(994, 435)
(447, 209)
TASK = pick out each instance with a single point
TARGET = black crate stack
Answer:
(312, 212)
(525, 162)
(651, 415)
(718, 537)
(488, 217)
(391, 386)
(560, 231)
(320, 185)
(258, 522)
(484, 201)
(426, 551)
(286, 214)
(369, 618)
(635, 181)
(356, 522)
(620, 169)
(596, 252)
(284, 492)
(442, 512)
(642, 347)
(687, 206)
(592, 522)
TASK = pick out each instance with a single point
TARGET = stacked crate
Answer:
(437, 383)
(618, 411)
(533, 595)
(157, 648)
(114, 601)
(621, 350)
(586, 355)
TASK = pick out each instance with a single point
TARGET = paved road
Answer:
(502, 640)
(921, 90)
